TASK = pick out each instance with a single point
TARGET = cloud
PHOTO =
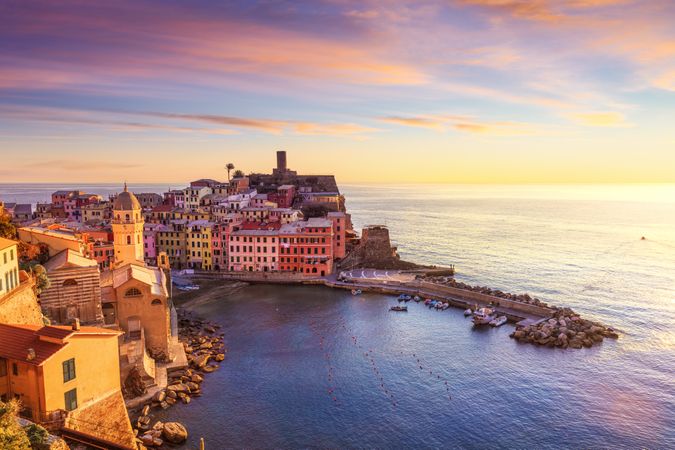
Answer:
(466, 124)
(600, 119)
(118, 120)
(540, 10)
(79, 165)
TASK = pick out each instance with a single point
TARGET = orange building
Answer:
(307, 247)
(66, 378)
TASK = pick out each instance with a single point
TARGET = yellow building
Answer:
(133, 295)
(9, 266)
(127, 225)
(173, 241)
(200, 253)
(66, 378)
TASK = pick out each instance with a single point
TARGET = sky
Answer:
(453, 91)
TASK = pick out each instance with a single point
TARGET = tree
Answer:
(38, 436)
(42, 281)
(7, 228)
(239, 174)
(12, 436)
(229, 167)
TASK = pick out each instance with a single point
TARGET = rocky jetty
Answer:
(565, 329)
(450, 281)
(204, 348)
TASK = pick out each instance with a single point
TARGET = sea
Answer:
(310, 367)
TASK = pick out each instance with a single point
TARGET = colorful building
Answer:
(9, 266)
(66, 378)
(307, 247)
(253, 247)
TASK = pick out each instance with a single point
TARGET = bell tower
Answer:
(127, 226)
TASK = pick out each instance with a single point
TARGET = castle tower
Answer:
(127, 225)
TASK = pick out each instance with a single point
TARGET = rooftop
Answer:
(6, 243)
(16, 340)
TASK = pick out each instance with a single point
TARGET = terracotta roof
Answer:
(162, 208)
(6, 243)
(68, 258)
(16, 340)
(55, 332)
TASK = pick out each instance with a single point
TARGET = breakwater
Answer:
(536, 322)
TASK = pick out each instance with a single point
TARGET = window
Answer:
(71, 399)
(133, 292)
(3, 367)
(11, 255)
(15, 369)
(157, 302)
(128, 240)
(69, 370)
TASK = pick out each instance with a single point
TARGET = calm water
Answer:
(574, 246)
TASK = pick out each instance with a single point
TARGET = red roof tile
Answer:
(16, 340)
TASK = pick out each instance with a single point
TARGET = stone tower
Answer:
(127, 225)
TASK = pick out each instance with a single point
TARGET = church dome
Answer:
(126, 201)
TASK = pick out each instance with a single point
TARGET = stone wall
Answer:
(375, 251)
(20, 306)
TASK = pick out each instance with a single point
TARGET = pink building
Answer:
(340, 224)
(219, 237)
(150, 241)
(284, 196)
(254, 247)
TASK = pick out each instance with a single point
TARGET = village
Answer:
(89, 334)
(91, 340)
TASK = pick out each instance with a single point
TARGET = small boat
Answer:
(468, 312)
(432, 304)
(446, 305)
(427, 301)
(439, 305)
(483, 316)
(356, 291)
(499, 321)
(417, 298)
(399, 308)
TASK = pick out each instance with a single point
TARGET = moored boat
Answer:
(483, 316)
(499, 321)
(399, 308)
(417, 298)
(468, 312)
(356, 291)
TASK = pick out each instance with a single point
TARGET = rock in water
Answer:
(174, 432)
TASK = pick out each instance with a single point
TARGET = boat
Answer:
(427, 301)
(499, 321)
(483, 316)
(446, 305)
(468, 312)
(432, 304)
(399, 308)
(356, 291)
(417, 298)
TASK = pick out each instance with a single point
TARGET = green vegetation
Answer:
(239, 173)
(7, 228)
(38, 436)
(12, 435)
(41, 279)
(229, 167)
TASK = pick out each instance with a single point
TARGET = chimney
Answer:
(281, 161)
(76, 324)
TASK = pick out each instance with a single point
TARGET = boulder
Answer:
(174, 432)
(220, 357)
(159, 396)
(201, 360)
